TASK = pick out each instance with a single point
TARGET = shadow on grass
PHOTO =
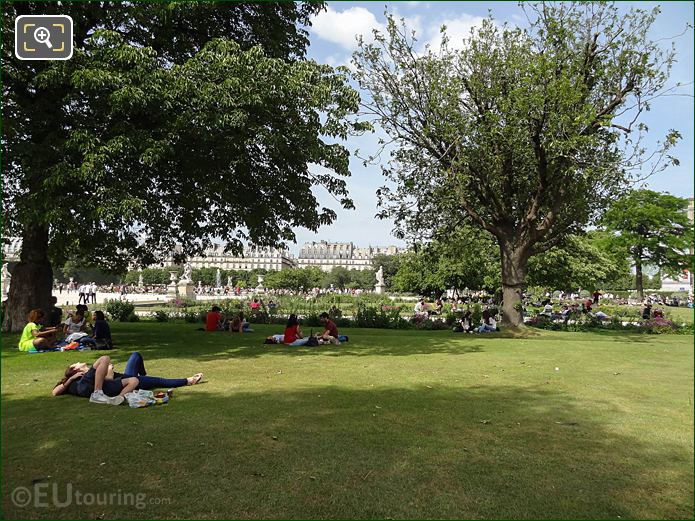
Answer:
(158, 341)
(205, 346)
(331, 452)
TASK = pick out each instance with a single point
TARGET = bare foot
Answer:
(195, 379)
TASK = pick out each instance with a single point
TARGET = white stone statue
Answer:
(229, 282)
(6, 277)
(187, 273)
(140, 282)
(380, 276)
(218, 278)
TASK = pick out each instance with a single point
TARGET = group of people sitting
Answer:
(646, 311)
(423, 310)
(488, 322)
(46, 331)
(215, 320)
(569, 311)
(293, 335)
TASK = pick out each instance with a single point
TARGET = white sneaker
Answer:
(116, 400)
(99, 397)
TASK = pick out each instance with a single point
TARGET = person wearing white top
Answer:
(488, 326)
(93, 293)
(82, 294)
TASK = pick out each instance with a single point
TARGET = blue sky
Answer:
(332, 38)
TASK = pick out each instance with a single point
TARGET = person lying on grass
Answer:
(34, 338)
(102, 385)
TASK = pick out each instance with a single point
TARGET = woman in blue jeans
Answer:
(101, 384)
(135, 367)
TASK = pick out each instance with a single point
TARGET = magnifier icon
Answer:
(42, 35)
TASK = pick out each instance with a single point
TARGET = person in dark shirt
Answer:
(101, 384)
(331, 331)
(596, 294)
(102, 331)
(55, 314)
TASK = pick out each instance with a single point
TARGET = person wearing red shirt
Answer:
(293, 334)
(213, 319)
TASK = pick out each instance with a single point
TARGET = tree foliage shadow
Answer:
(221, 345)
(333, 452)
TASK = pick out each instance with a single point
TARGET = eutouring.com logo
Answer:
(54, 495)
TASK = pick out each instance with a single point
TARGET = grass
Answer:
(394, 424)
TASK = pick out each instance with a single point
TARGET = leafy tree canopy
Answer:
(172, 124)
(528, 132)
(654, 230)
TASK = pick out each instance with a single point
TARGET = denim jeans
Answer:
(136, 367)
(484, 328)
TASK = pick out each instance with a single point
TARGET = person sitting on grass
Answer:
(547, 310)
(292, 335)
(420, 308)
(467, 322)
(34, 338)
(489, 324)
(102, 331)
(75, 323)
(55, 314)
(101, 384)
(330, 334)
(239, 325)
(214, 320)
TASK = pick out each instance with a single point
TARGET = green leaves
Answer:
(654, 227)
(177, 136)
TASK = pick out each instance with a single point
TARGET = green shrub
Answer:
(161, 316)
(120, 310)
(192, 317)
(312, 320)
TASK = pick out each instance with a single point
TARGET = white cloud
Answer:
(342, 27)
(456, 29)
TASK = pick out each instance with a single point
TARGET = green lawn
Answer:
(393, 424)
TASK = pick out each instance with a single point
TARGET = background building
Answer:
(254, 257)
(328, 255)
(684, 282)
(322, 254)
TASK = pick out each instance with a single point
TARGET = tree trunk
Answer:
(639, 286)
(31, 285)
(514, 266)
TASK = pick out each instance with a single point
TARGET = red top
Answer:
(332, 328)
(211, 320)
(290, 334)
(254, 305)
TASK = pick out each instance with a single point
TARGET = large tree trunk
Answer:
(31, 285)
(514, 266)
(639, 285)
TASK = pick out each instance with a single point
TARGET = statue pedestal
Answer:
(380, 289)
(172, 292)
(259, 289)
(186, 290)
